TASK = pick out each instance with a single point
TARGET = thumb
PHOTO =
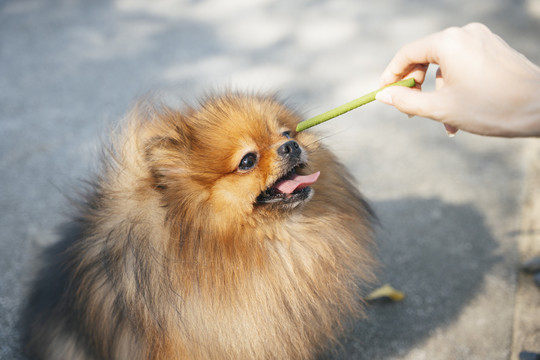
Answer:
(411, 101)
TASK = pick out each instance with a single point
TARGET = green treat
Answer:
(340, 110)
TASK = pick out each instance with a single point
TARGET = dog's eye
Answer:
(248, 162)
(287, 134)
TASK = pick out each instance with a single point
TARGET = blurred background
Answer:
(450, 209)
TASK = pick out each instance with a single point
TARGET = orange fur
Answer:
(173, 258)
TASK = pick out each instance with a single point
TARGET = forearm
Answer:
(531, 112)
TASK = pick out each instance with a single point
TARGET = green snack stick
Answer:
(351, 105)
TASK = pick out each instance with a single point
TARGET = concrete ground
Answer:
(453, 211)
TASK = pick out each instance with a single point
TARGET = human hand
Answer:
(483, 86)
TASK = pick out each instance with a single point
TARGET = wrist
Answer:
(531, 108)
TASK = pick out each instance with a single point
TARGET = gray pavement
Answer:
(451, 209)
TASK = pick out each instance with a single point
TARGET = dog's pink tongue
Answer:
(296, 182)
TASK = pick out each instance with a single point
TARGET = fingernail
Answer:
(384, 97)
(382, 81)
(450, 130)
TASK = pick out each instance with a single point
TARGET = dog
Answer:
(211, 232)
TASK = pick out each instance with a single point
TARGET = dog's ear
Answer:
(165, 141)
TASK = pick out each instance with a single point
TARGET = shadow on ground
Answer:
(439, 266)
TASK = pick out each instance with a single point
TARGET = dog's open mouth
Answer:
(289, 189)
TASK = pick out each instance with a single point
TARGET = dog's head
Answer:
(236, 153)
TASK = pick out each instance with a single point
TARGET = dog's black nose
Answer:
(290, 148)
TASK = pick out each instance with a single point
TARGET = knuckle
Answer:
(453, 40)
(452, 34)
(476, 27)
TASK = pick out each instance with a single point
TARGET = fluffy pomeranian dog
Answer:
(216, 232)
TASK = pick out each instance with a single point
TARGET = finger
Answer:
(413, 102)
(439, 79)
(417, 72)
(423, 52)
